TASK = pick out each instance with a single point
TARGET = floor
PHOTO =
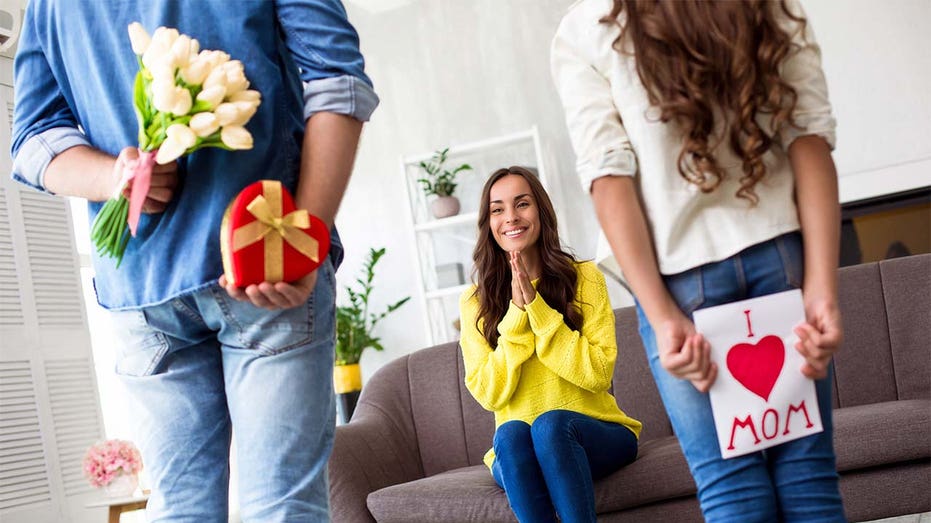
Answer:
(924, 517)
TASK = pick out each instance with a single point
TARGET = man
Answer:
(200, 358)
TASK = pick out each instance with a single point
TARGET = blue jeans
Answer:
(553, 464)
(203, 365)
(795, 481)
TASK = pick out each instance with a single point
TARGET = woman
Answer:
(539, 349)
(703, 132)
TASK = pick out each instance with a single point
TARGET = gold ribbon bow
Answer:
(276, 229)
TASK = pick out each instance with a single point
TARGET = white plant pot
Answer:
(445, 206)
(122, 486)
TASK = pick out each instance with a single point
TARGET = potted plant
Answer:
(114, 466)
(442, 183)
(354, 333)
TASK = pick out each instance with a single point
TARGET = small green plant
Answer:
(439, 181)
(354, 322)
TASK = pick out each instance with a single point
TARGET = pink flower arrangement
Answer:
(105, 461)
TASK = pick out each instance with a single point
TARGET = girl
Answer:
(703, 132)
(539, 349)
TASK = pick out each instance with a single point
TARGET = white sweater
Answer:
(615, 131)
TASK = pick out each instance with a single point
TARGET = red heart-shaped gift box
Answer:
(264, 238)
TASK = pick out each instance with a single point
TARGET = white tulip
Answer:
(226, 113)
(182, 101)
(181, 134)
(235, 77)
(246, 110)
(246, 96)
(163, 95)
(162, 72)
(165, 37)
(204, 124)
(169, 151)
(216, 78)
(156, 58)
(183, 50)
(139, 38)
(170, 98)
(214, 58)
(159, 49)
(236, 137)
(212, 96)
(195, 72)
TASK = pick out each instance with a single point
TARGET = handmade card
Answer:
(760, 398)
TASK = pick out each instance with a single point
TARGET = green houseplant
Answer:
(441, 182)
(355, 326)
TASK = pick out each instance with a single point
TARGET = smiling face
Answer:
(514, 217)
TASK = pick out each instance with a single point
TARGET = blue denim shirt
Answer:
(74, 72)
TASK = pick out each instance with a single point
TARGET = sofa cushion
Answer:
(882, 434)
(659, 473)
(905, 287)
(863, 370)
(634, 388)
(471, 494)
(437, 409)
(465, 494)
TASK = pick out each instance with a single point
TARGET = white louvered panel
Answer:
(11, 309)
(56, 284)
(23, 473)
(6, 94)
(74, 414)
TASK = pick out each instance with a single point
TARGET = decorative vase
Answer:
(347, 383)
(445, 206)
(122, 486)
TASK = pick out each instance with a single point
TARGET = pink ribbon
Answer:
(140, 172)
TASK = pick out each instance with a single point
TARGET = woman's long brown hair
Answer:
(701, 60)
(492, 271)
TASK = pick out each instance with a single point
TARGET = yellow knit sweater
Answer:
(540, 364)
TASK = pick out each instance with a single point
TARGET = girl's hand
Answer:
(685, 353)
(820, 336)
(519, 273)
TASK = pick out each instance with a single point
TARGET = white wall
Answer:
(454, 71)
(879, 76)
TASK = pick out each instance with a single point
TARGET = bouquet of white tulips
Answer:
(184, 99)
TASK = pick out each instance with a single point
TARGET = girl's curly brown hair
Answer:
(702, 60)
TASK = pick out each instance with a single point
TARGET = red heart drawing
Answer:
(758, 366)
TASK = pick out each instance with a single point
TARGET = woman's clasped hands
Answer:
(522, 291)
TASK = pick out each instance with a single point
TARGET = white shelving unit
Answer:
(443, 247)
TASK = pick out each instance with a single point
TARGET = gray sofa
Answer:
(413, 450)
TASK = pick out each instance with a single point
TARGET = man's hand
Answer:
(163, 185)
(273, 296)
(685, 353)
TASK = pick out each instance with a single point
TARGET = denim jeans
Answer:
(795, 481)
(553, 463)
(202, 366)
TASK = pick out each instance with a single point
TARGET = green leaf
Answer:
(439, 181)
(354, 324)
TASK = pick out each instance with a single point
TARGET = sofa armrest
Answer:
(371, 452)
